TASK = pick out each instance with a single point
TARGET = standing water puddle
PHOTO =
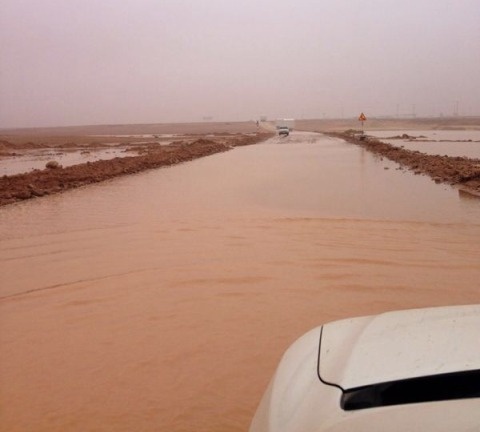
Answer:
(436, 142)
(38, 160)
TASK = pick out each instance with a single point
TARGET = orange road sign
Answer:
(362, 117)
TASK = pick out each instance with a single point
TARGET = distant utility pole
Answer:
(398, 109)
(455, 110)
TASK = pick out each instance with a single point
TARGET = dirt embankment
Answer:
(57, 179)
(461, 172)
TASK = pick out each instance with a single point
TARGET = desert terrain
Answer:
(156, 145)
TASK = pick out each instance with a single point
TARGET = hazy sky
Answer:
(74, 62)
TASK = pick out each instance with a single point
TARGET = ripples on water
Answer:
(163, 301)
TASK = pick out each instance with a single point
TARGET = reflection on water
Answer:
(163, 301)
(463, 143)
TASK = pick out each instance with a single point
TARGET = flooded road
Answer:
(164, 300)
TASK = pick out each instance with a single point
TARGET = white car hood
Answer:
(400, 345)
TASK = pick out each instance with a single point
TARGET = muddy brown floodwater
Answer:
(162, 301)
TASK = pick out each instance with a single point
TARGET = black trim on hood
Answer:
(451, 386)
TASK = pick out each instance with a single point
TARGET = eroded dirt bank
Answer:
(461, 172)
(57, 179)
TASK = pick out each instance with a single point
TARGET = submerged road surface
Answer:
(164, 300)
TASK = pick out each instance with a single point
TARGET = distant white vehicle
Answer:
(285, 123)
(407, 371)
(283, 131)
